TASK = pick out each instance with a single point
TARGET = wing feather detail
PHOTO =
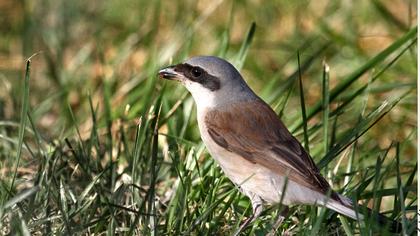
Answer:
(252, 130)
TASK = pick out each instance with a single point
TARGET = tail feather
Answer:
(345, 207)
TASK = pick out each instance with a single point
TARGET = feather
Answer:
(252, 130)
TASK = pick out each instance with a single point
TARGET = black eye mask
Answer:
(199, 75)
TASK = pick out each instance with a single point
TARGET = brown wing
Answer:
(253, 130)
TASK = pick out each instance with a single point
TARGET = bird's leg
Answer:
(257, 207)
(280, 217)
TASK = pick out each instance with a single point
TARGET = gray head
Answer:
(211, 80)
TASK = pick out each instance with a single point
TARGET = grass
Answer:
(91, 142)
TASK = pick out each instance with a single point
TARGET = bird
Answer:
(253, 147)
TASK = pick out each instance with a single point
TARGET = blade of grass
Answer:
(210, 209)
(319, 219)
(64, 208)
(410, 180)
(177, 203)
(290, 80)
(387, 192)
(154, 169)
(400, 191)
(349, 167)
(346, 226)
(20, 197)
(341, 87)
(365, 124)
(76, 127)
(228, 204)
(348, 99)
(303, 109)
(108, 121)
(376, 186)
(284, 102)
(388, 16)
(325, 104)
(246, 44)
(23, 114)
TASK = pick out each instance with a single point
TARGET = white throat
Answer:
(203, 97)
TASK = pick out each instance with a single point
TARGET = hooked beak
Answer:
(169, 73)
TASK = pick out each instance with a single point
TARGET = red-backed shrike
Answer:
(249, 142)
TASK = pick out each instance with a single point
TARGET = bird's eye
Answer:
(196, 72)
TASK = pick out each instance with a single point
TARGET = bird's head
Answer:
(212, 81)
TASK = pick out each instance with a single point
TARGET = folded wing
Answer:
(253, 131)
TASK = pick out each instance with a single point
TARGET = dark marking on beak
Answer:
(168, 73)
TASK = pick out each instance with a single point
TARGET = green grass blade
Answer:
(303, 108)
(347, 99)
(282, 86)
(354, 133)
(346, 226)
(21, 196)
(319, 219)
(388, 16)
(23, 119)
(401, 198)
(325, 105)
(340, 88)
(154, 168)
(239, 62)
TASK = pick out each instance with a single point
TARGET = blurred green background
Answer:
(94, 78)
(81, 44)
